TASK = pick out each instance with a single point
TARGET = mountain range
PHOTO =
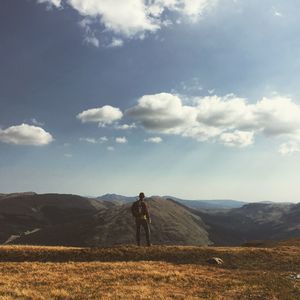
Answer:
(72, 220)
(209, 205)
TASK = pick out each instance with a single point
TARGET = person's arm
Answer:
(147, 213)
(133, 210)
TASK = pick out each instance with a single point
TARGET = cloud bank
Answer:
(25, 134)
(229, 120)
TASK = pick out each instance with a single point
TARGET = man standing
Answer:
(140, 212)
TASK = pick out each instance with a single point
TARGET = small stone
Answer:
(215, 261)
(294, 276)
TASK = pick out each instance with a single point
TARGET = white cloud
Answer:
(121, 140)
(276, 12)
(277, 116)
(116, 43)
(92, 40)
(132, 18)
(154, 140)
(194, 8)
(237, 138)
(25, 134)
(162, 112)
(289, 148)
(101, 115)
(56, 3)
(88, 140)
(110, 148)
(89, 35)
(101, 140)
(36, 122)
(125, 126)
(229, 120)
(227, 111)
(68, 155)
(123, 17)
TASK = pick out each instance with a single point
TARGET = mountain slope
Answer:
(255, 221)
(171, 224)
(22, 213)
(208, 205)
(117, 199)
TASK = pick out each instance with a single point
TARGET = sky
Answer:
(197, 99)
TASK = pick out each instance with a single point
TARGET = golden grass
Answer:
(248, 273)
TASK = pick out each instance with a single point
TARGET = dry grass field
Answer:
(159, 272)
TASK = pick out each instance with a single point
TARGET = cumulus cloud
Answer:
(116, 43)
(121, 140)
(92, 40)
(133, 18)
(289, 148)
(125, 126)
(194, 8)
(154, 140)
(219, 112)
(162, 112)
(110, 148)
(25, 134)
(230, 120)
(277, 116)
(56, 3)
(101, 115)
(124, 17)
(237, 138)
(89, 34)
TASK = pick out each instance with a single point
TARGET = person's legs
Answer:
(147, 231)
(138, 231)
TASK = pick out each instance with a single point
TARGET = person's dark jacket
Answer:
(140, 210)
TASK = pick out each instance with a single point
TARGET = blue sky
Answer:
(196, 99)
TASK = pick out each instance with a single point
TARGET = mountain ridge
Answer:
(72, 220)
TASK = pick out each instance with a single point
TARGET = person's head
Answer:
(141, 196)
